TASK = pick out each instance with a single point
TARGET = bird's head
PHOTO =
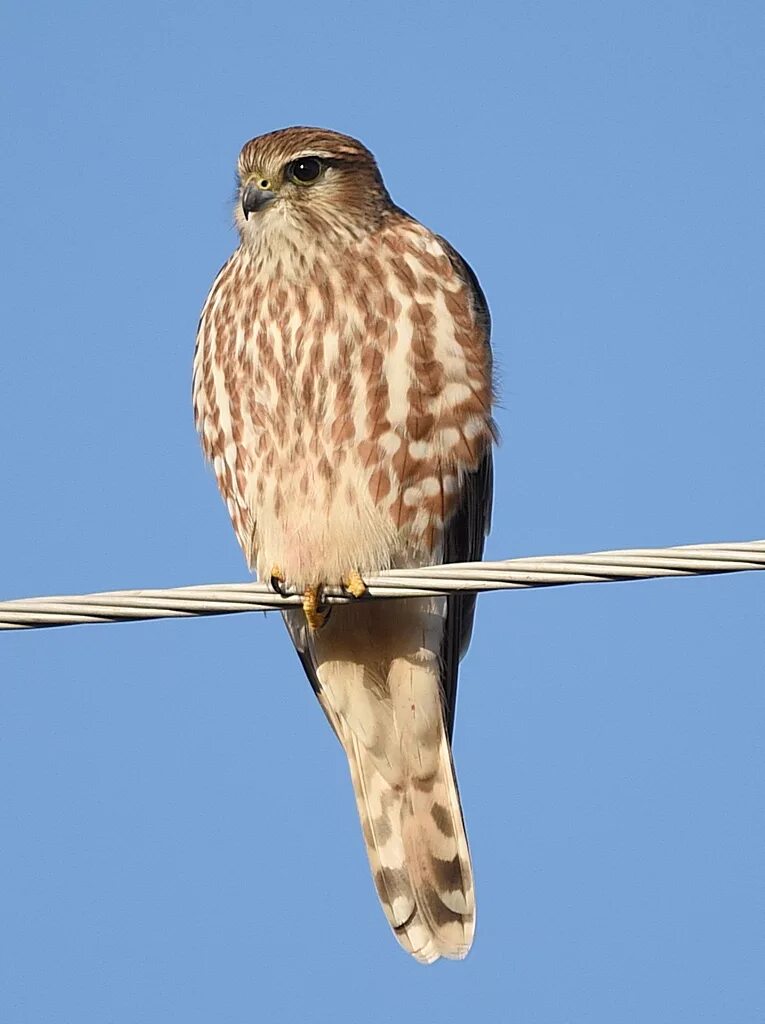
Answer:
(307, 182)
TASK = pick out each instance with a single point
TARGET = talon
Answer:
(316, 613)
(277, 581)
(354, 584)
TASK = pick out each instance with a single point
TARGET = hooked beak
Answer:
(254, 199)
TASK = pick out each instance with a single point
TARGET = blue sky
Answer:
(179, 839)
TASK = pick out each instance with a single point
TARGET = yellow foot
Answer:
(277, 580)
(354, 584)
(315, 614)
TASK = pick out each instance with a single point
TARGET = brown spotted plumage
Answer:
(342, 390)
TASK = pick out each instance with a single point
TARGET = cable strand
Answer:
(512, 574)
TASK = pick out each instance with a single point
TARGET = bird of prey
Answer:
(343, 391)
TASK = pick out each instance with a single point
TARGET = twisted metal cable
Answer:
(513, 574)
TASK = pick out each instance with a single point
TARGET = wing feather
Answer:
(468, 528)
(463, 542)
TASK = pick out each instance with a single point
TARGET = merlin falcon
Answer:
(343, 391)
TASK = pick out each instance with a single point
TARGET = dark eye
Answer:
(304, 170)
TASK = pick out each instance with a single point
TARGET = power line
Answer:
(513, 574)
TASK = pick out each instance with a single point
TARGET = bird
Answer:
(343, 392)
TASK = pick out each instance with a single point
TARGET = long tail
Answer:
(419, 856)
(389, 716)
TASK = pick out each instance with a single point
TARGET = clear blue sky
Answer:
(179, 839)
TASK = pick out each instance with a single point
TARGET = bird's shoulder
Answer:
(409, 239)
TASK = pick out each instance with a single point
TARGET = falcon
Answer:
(342, 390)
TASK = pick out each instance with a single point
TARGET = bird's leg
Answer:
(354, 584)
(316, 613)
(277, 581)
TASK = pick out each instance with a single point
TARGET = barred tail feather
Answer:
(378, 678)
(418, 853)
(439, 859)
